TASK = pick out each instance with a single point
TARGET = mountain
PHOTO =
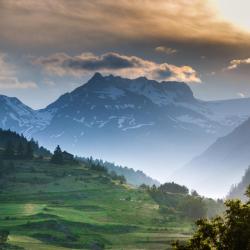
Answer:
(238, 191)
(222, 164)
(16, 116)
(140, 123)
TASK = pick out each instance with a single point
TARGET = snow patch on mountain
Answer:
(79, 120)
(111, 92)
(17, 106)
(57, 135)
(151, 92)
(138, 126)
(197, 121)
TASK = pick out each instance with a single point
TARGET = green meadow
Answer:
(57, 207)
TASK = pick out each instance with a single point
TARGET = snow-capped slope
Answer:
(16, 116)
(175, 101)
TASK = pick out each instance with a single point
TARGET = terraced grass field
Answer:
(53, 207)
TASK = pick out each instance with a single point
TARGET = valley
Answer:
(136, 123)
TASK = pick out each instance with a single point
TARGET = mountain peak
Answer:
(97, 76)
(11, 100)
(160, 93)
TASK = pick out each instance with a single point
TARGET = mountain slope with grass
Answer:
(73, 205)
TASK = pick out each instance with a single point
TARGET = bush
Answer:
(4, 234)
(173, 188)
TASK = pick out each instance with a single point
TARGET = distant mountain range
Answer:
(238, 191)
(140, 123)
(221, 165)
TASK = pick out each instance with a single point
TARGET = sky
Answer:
(50, 47)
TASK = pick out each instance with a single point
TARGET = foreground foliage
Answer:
(231, 232)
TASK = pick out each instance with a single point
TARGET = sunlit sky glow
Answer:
(235, 11)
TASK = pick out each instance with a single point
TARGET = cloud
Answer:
(49, 82)
(234, 64)
(8, 78)
(165, 50)
(63, 23)
(62, 64)
(241, 95)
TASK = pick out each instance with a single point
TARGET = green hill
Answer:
(47, 206)
(76, 205)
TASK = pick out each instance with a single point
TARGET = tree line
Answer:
(175, 200)
(14, 146)
(22, 151)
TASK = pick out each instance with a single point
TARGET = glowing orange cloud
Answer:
(62, 22)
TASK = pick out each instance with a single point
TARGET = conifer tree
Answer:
(9, 152)
(2, 168)
(20, 151)
(29, 154)
(57, 157)
(4, 234)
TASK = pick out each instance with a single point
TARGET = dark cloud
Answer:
(129, 66)
(106, 61)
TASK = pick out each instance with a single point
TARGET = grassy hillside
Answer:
(81, 205)
(48, 206)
